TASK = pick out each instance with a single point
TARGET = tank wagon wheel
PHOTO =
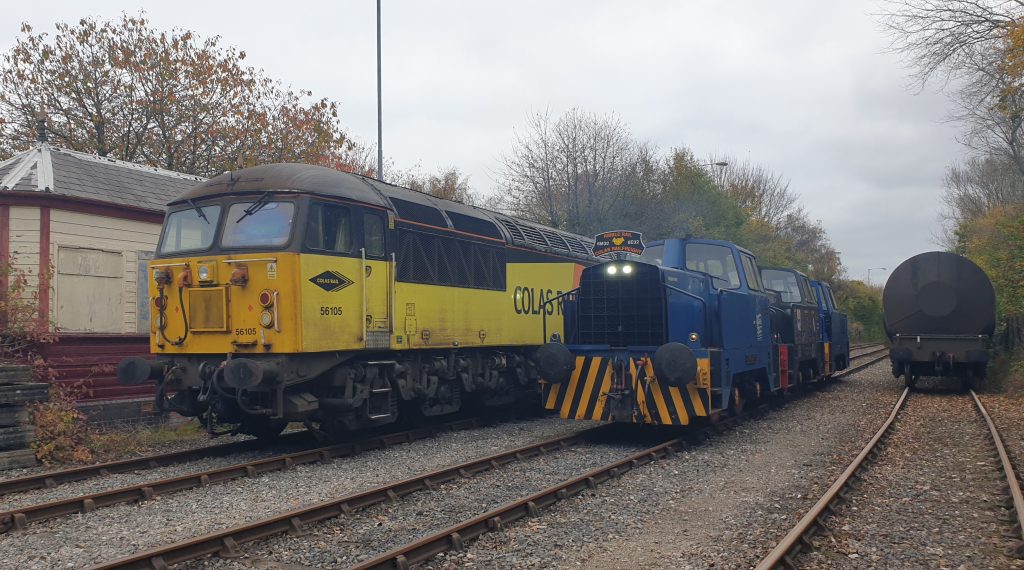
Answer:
(909, 379)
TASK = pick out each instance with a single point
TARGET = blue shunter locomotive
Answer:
(684, 331)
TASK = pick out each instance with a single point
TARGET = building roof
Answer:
(62, 172)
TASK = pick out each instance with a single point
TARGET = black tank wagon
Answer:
(939, 315)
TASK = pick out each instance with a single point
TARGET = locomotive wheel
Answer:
(737, 403)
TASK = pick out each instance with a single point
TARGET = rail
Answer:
(19, 518)
(791, 544)
(51, 479)
(226, 542)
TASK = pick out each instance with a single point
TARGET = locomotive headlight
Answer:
(694, 337)
(266, 319)
(204, 273)
(161, 276)
(627, 269)
(612, 270)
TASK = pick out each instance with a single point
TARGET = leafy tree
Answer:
(169, 99)
(447, 183)
(863, 307)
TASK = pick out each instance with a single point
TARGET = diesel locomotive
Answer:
(690, 329)
(291, 292)
(939, 316)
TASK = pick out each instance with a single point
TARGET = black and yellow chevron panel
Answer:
(598, 385)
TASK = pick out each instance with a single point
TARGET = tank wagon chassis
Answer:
(916, 356)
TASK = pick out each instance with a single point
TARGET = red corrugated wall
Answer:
(92, 359)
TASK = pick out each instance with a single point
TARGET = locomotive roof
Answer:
(781, 268)
(407, 204)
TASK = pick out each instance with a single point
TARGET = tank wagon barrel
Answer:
(939, 316)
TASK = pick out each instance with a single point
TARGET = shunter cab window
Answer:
(373, 235)
(716, 261)
(258, 224)
(752, 274)
(784, 282)
(831, 298)
(190, 230)
(329, 229)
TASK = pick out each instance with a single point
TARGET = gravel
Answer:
(724, 504)
(929, 501)
(342, 542)
(117, 531)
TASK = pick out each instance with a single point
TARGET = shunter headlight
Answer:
(266, 298)
(612, 270)
(266, 319)
(627, 269)
(204, 273)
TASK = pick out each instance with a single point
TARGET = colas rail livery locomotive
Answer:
(298, 293)
(688, 330)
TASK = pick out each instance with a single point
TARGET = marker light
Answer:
(266, 298)
(627, 269)
(266, 319)
(612, 270)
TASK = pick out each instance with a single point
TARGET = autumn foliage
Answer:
(168, 99)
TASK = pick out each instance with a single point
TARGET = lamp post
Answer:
(876, 269)
(380, 149)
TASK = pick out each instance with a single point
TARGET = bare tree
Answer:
(574, 172)
(762, 193)
(946, 36)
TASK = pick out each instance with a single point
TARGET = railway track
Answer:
(799, 538)
(226, 543)
(52, 479)
(19, 518)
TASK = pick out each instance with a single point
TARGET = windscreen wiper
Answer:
(256, 207)
(199, 211)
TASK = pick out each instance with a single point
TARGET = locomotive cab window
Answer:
(189, 230)
(785, 282)
(329, 228)
(373, 235)
(258, 224)
(715, 260)
(751, 272)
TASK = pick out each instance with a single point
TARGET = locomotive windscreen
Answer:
(939, 293)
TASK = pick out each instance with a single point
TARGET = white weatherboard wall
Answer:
(96, 263)
(24, 236)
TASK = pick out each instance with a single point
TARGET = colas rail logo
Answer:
(330, 281)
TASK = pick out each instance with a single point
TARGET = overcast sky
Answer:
(804, 87)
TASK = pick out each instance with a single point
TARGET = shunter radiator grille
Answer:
(206, 309)
(622, 310)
